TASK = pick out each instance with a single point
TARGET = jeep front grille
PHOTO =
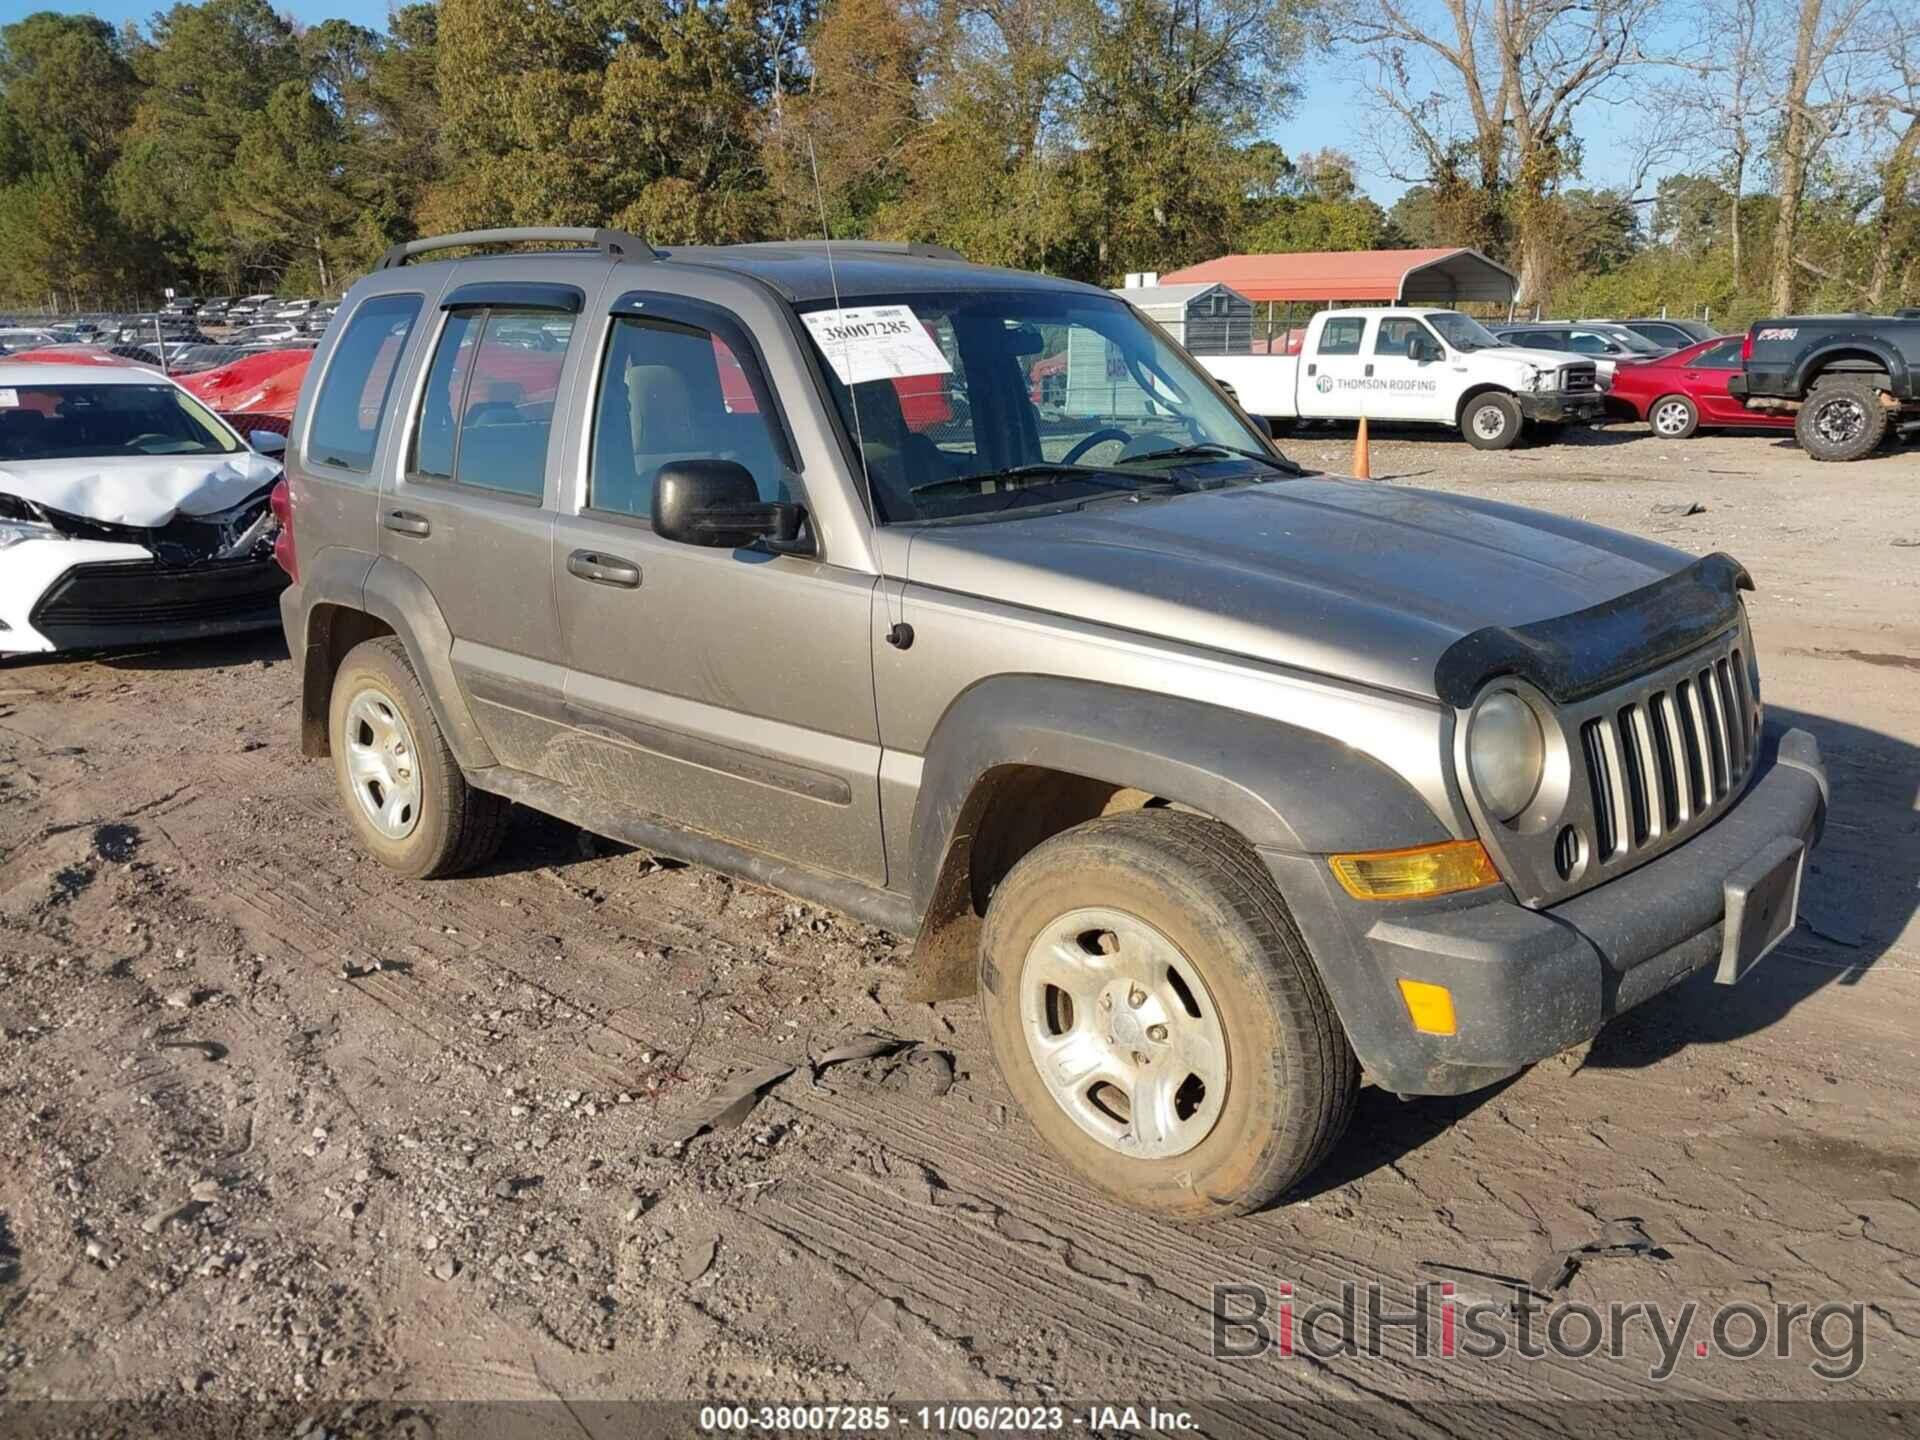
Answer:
(1665, 762)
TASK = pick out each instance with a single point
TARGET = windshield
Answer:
(73, 422)
(1639, 344)
(1463, 332)
(994, 401)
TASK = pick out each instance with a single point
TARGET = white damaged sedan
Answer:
(129, 513)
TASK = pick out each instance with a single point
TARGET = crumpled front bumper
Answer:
(74, 594)
(1558, 407)
(1527, 984)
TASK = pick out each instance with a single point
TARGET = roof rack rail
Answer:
(917, 248)
(614, 244)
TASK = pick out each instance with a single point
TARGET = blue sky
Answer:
(1333, 110)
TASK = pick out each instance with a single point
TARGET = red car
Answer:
(1687, 391)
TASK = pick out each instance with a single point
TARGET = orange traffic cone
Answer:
(1362, 457)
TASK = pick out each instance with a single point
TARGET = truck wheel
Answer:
(1842, 419)
(1154, 1010)
(1673, 417)
(404, 794)
(1490, 421)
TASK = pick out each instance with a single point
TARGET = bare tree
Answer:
(1725, 91)
(1816, 102)
(1498, 82)
(1899, 110)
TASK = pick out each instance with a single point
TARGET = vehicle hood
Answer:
(1365, 581)
(1526, 355)
(140, 491)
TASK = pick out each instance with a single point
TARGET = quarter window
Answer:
(671, 392)
(353, 398)
(487, 413)
(1342, 336)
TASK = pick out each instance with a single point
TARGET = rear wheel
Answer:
(1155, 1012)
(1490, 421)
(401, 785)
(1842, 419)
(1673, 417)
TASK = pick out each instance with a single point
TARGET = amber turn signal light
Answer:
(1417, 873)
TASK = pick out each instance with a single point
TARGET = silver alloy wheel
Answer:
(1124, 1033)
(1490, 422)
(1671, 418)
(382, 763)
(1840, 420)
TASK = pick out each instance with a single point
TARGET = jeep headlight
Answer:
(1506, 753)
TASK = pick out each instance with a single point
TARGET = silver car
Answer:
(960, 599)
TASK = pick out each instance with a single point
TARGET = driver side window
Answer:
(1394, 335)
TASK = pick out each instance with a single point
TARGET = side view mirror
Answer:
(1420, 348)
(267, 442)
(715, 503)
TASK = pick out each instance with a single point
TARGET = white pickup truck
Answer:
(1436, 366)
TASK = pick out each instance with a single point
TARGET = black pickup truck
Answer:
(1849, 378)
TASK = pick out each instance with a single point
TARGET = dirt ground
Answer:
(281, 1129)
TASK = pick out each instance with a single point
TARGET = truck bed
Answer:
(1263, 383)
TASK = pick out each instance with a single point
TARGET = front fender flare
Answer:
(1281, 787)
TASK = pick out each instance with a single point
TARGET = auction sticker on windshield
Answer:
(876, 342)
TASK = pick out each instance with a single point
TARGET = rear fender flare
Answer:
(401, 598)
(1809, 366)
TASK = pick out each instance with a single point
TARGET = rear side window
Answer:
(487, 413)
(1342, 337)
(353, 397)
(671, 392)
(1724, 356)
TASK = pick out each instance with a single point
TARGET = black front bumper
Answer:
(1527, 984)
(1558, 407)
(124, 602)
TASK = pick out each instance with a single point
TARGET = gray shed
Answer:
(1209, 319)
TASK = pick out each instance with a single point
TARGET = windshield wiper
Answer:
(1039, 470)
(1211, 447)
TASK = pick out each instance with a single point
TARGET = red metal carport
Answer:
(1391, 277)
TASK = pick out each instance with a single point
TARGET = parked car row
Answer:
(310, 314)
(1842, 384)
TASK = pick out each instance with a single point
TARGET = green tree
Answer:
(210, 70)
(67, 90)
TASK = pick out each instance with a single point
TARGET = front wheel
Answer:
(1491, 421)
(1842, 419)
(1155, 1012)
(1673, 417)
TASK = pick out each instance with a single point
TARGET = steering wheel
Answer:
(1073, 456)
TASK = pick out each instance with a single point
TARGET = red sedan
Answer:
(1687, 391)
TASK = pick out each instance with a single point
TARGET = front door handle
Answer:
(407, 522)
(604, 569)
(1369, 372)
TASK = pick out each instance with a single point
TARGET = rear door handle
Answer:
(406, 522)
(604, 569)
